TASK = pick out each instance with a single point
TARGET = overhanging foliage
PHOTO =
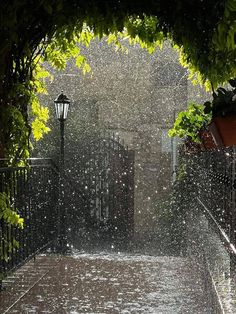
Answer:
(35, 31)
(32, 32)
(193, 26)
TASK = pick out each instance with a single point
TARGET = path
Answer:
(104, 283)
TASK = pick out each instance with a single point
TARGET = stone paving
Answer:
(104, 283)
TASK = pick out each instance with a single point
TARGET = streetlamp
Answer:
(62, 103)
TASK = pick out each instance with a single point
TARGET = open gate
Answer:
(102, 178)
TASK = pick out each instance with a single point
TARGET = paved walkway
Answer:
(104, 283)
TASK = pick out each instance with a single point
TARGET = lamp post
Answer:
(62, 104)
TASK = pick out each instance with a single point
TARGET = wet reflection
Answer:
(107, 283)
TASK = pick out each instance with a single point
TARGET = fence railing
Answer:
(32, 192)
(206, 189)
(92, 197)
(230, 247)
(212, 177)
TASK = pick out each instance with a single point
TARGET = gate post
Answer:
(130, 192)
(62, 219)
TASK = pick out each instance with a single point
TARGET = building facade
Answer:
(136, 96)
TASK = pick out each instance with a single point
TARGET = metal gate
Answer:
(101, 182)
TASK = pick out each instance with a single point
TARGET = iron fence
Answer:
(212, 186)
(95, 196)
(207, 188)
(32, 192)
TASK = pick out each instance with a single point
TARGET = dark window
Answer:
(169, 74)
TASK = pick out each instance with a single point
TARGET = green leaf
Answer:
(47, 7)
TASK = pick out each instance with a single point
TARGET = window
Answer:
(166, 142)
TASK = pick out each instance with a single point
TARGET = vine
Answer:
(11, 219)
(51, 31)
(188, 123)
(14, 135)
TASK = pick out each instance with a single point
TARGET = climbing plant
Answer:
(189, 122)
(51, 30)
(11, 218)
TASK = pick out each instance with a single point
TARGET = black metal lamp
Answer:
(62, 103)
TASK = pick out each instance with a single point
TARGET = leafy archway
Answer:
(50, 31)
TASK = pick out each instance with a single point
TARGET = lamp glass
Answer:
(61, 110)
(62, 104)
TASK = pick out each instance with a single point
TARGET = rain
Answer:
(132, 210)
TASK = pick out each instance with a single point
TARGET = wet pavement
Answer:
(105, 283)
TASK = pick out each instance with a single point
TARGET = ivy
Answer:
(188, 123)
(145, 31)
(11, 219)
(41, 115)
(52, 31)
(223, 51)
(9, 215)
(33, 34)
(14, 134)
